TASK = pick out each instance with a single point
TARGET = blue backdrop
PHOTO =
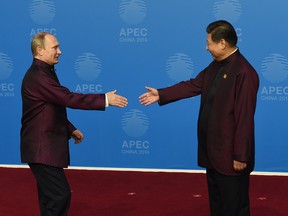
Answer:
(128, 44)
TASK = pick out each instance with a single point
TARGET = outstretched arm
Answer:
(149, 97)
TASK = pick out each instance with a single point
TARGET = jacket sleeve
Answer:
(71, 128)
(181, 90)
(245, 104)
(50, 91)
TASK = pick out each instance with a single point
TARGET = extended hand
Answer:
(149, 97)
(116, 100)
(77, 136)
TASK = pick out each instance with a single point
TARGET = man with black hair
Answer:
(228, 87)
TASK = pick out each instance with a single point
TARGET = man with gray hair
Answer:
(46, 130)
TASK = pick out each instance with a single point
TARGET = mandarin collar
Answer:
(43, 64)
(230, 57)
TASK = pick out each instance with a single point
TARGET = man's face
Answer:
(216, 49)
(51, 51)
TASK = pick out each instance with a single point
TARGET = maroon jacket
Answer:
(45, 128)
(229, 134)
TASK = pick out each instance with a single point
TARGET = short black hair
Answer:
(221, 29)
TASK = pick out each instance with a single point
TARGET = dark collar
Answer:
(229, 58)
(43, 64)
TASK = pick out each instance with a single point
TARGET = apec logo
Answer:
(135, 123)
(6, 66)
(6, 69)
(179, 67)
(88, 67)
(274, 69)
(42, 12)
(132, 12)
(227, 9)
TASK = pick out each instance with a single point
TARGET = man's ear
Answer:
(223, 43)
(39, 50)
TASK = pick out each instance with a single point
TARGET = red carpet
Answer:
(123, 193)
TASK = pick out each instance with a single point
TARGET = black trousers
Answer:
(54, 192)
(228, 195)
